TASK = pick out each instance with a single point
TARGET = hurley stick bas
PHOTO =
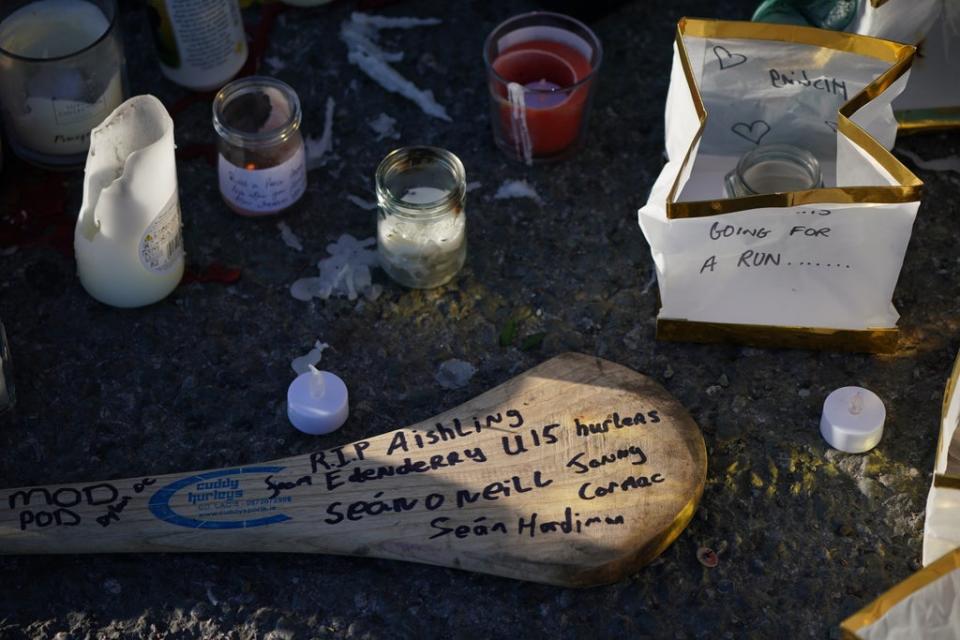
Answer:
(575, 473)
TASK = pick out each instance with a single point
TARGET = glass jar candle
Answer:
(541, 76)
(773, 168)
(262, 164)
(421, 226)
(61, 74)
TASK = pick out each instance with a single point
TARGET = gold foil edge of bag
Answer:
(878, 341)
(923, 120)
(879, 607)
(950, 479)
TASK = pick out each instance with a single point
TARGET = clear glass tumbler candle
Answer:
(773, 168)
(61, 74)
(541, 74)
(421, 226)
(262, 165)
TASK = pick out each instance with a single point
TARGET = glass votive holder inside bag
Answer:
(61, 74)
(421, 225)
(541, 76)
(773, 168)
(262, 165)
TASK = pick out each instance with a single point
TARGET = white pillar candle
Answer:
(51, 119)
(128, 240)
(852, 419)
(317, 402)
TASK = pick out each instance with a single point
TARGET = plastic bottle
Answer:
(201, 43)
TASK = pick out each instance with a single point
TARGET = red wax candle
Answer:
(555, 104)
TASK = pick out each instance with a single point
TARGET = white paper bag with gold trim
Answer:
(941, 529)
(932, 99)
(925, 606)
(802, 268)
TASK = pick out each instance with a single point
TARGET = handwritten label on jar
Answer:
(264, 191)
(162, 243)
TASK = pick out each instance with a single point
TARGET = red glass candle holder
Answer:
(541, 73)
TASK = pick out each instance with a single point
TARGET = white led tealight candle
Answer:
(317, 402)
(852, 419)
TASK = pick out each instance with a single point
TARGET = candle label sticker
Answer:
(162, 243)
(208, 33)
(264, 190)
(219, 494)
(62, 127)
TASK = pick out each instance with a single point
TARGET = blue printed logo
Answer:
(215, 496)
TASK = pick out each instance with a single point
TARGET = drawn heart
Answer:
(727, 59)
(753, 132)
(831, 124)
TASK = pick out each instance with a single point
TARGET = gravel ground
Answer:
(805, 535)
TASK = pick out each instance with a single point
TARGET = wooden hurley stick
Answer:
(575, 473)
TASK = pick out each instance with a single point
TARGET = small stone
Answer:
(804, 393)
(707, 557)
(634, 339)
(455, 374)
(724, 381)
(668, 373)
(869, 487)
(714, 389)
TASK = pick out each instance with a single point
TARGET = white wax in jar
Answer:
(422, 253)
(777, 176)
(52, 28)
(423, 195)
(422, 240)
(51, 120)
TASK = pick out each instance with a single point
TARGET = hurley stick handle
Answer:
(573, 473)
